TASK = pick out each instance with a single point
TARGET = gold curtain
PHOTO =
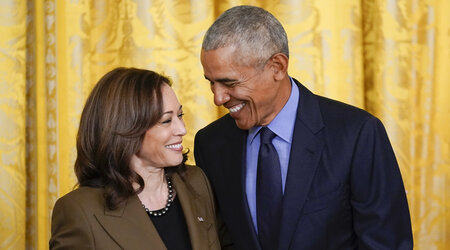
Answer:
(390, 57)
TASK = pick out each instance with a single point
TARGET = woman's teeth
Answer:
(174, 146)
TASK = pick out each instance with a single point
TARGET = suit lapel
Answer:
(234, 163)
(195, 214)
(305, 155)
(130, 226)
(235, 166)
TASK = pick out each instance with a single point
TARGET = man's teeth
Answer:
(175, 146)
(236, 108)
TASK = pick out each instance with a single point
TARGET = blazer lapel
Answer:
(230, 158)
(235, 166)
(130, 226)
(196, 217)
(305, 154)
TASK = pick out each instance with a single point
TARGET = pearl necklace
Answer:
(162, 211)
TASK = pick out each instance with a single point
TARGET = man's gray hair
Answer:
(254, 32)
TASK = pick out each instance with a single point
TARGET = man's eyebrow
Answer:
(222, 80)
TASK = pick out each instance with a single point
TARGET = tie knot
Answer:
(266, 135)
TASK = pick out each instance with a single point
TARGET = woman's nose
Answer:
(180, 129)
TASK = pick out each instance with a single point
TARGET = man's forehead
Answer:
(224, 53)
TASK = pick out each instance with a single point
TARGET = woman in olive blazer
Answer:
(81, 220)
(134, 189)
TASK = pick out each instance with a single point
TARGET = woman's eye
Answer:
(167, 121)
(180, 115)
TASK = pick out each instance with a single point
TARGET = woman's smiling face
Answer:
(161, 146)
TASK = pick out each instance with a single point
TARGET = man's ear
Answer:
(279, 63)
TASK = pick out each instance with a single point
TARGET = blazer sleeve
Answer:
(380, 207)
(69, 227)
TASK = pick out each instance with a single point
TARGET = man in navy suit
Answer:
(340, 182)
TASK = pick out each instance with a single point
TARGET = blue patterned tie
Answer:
(269, 193)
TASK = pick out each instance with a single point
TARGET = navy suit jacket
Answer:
(343, 190)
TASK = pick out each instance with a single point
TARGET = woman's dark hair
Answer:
(123, 105)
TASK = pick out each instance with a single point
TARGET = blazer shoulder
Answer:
(319, 112)
(340, 114)
(86, 197)
(218, 126)
(334, 106)
(72, 223)
(196, 178)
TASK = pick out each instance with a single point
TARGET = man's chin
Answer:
(242, 125)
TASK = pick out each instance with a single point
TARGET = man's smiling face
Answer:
(250, 94)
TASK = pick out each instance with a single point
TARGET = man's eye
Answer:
(231, 84)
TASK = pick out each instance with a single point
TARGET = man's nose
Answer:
(220, 92)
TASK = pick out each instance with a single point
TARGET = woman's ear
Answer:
(279, 65)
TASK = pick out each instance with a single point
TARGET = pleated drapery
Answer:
(389, 57)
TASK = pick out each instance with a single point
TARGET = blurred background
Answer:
(389, 57)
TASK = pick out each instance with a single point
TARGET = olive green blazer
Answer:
(81, 220)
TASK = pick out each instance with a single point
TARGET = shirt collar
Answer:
(283, 123)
